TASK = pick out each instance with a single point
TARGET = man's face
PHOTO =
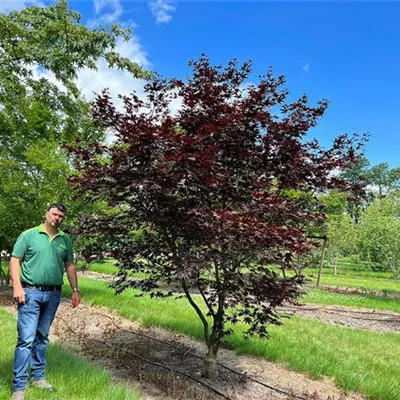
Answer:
(54, 217)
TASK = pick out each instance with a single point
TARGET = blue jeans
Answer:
(34, 321)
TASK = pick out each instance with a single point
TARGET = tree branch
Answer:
(197, 309)
(205, 299)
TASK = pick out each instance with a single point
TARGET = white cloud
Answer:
(7, 6)
(306, 67)
(91, 82)
(106, 11)
(117, 81)
(162, 10)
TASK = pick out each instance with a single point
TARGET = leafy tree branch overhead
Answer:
(206, 200)
(42, 49)
(54, 39)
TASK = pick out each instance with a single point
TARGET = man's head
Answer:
(55, 215)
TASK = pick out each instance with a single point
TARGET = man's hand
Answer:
(70, 268)
(19, 292)
(19, 295)
(76, 299)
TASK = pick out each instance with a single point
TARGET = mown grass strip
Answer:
(365, 280)
(357, 360)
(74, 377)
(369, 283)
(108, 267)
(382, 303)
(351, 272)
(315, 296)
(102, 267)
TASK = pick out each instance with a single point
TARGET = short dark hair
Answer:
(60, 206)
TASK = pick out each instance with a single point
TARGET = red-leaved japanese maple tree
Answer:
(209, 200)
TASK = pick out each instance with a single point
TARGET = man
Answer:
(37, 266)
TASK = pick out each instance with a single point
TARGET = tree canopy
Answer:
(203, 200)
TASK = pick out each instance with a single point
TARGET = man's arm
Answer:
(70, 268)
(15, 270)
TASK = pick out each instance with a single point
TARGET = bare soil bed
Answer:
(348, 290)
(164, 365)
(378, 321)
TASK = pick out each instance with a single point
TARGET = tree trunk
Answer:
(321, 263)
(210, 362)
(335, 266)
(4, 278)
(395, 272)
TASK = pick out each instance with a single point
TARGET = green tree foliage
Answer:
(52, 38)
(376, 181)
(343, 238)
(384, 179)
(380, 234)
(38, 115)
(357, 176)
(340, 227)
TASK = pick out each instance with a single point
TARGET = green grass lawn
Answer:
(357, 360)
(74, 377)
(365, 280)
(368, 281)
(104, 267)
(108, 267)
(353, 272)
(4, 266)
(382, 303)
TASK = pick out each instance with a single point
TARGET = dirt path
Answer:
(373, 320)
(350, 290)
(134, 357)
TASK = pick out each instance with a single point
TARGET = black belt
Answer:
(42, 288)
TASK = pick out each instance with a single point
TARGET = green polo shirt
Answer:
(43, 258)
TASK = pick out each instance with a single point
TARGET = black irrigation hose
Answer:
(197, 356)
(209, 387)
(259, 382)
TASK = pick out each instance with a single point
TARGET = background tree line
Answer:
(367, 228)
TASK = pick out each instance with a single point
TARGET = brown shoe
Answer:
(43, 384)
(18, 395)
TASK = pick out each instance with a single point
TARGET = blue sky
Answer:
(347, 52)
